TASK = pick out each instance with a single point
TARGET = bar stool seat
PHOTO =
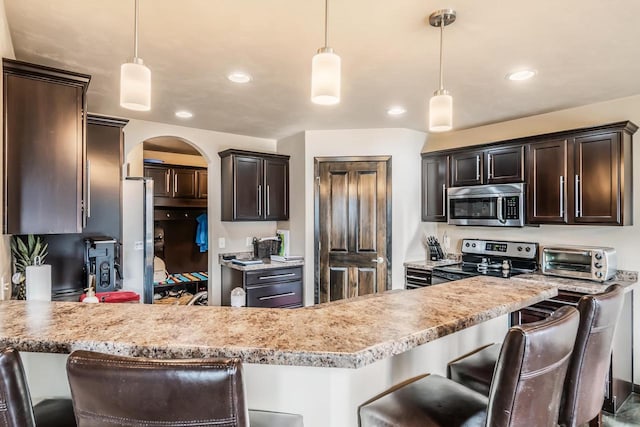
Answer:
(526, 389)
(583, 393)
(112, 390)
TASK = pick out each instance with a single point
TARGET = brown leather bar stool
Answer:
(129, 391)
(526, 388)
(583, 393)
(15, 401)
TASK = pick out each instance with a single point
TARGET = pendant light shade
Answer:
(135, 86)
(441, 112)
(325, 71)
(135, 78)
(325, 77)
(441, 103)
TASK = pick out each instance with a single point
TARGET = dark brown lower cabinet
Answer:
(619, 382)
(267, 288)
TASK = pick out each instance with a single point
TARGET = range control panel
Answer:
(500, 248)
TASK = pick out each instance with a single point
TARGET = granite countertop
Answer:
(429, 265)
(351, 334)
(265, 265)
(624, 278)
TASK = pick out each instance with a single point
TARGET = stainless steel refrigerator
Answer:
(137, 236)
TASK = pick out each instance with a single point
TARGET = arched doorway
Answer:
(179, 170)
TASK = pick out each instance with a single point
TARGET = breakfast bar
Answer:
(321, 361)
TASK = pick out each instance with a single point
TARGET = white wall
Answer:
(294, 146)
(404, 147)
(6, 51)
(209, 143)
(624, 239)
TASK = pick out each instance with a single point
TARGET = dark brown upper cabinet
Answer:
(583, 178)
(467, 167)
(44, 149)
(505, 164)
(602, 195)
(178, 186)
(202, 178)
(276, 181)
(547, 184)
(435, 174)
(497, 165)
(161, 180)
(255, 186)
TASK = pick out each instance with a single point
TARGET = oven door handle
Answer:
(499, 209)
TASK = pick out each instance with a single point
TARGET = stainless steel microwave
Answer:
(500, 205)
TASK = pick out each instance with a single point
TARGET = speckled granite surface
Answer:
(429, 265)
(347, 335)
(266, 263)
(624, 278)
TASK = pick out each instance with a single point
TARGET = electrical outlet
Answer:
(221, 243)
(249, 241)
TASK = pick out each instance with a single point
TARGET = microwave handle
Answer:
(499, 208)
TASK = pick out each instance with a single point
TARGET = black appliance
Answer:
(100, 261)
(489, 258)
(500, 205)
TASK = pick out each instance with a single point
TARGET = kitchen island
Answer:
(321, 361)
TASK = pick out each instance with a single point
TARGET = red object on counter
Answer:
(119, 296)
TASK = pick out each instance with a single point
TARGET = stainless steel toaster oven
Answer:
(579, 262)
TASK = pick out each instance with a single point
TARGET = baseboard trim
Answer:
(636, 388)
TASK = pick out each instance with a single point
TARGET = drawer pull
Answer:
(424, 279)
(276, 276)
(288, 294)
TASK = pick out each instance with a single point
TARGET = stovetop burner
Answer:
(491, 258)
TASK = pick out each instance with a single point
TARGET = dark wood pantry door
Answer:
(352, 227)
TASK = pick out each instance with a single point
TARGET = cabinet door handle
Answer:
(268, 202)
(477, 168)
(489, 171)
(259, 200)
(578, 198)
(288, 294)
(88, 188)
(561, 196)
(166, 182)
(175, 183)
(276, 276)
(444, 200)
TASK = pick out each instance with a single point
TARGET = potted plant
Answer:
(25, 254)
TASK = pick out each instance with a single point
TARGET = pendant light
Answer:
(325, 71)
(135, 78)
(441, 103)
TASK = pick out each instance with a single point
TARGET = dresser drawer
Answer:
(276, 295)
(273, 275)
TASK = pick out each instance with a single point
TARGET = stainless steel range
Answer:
(491, 258)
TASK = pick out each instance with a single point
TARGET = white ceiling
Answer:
(584, 51)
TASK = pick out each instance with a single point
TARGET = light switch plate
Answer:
(221, 243)
(138, 246)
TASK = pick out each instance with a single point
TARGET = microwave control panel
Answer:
(512, 207)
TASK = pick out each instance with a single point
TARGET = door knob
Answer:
(378, 260)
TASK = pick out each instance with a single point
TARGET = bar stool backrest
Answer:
(584, 387)
(531, 369)
(126, 391)
(15, 400)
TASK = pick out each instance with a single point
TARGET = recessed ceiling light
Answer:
(239, 77)
(521, 75)
(184, 114)
(396, 111)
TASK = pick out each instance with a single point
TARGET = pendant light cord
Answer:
(135, 31)
(326, 19)
(441, 37)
